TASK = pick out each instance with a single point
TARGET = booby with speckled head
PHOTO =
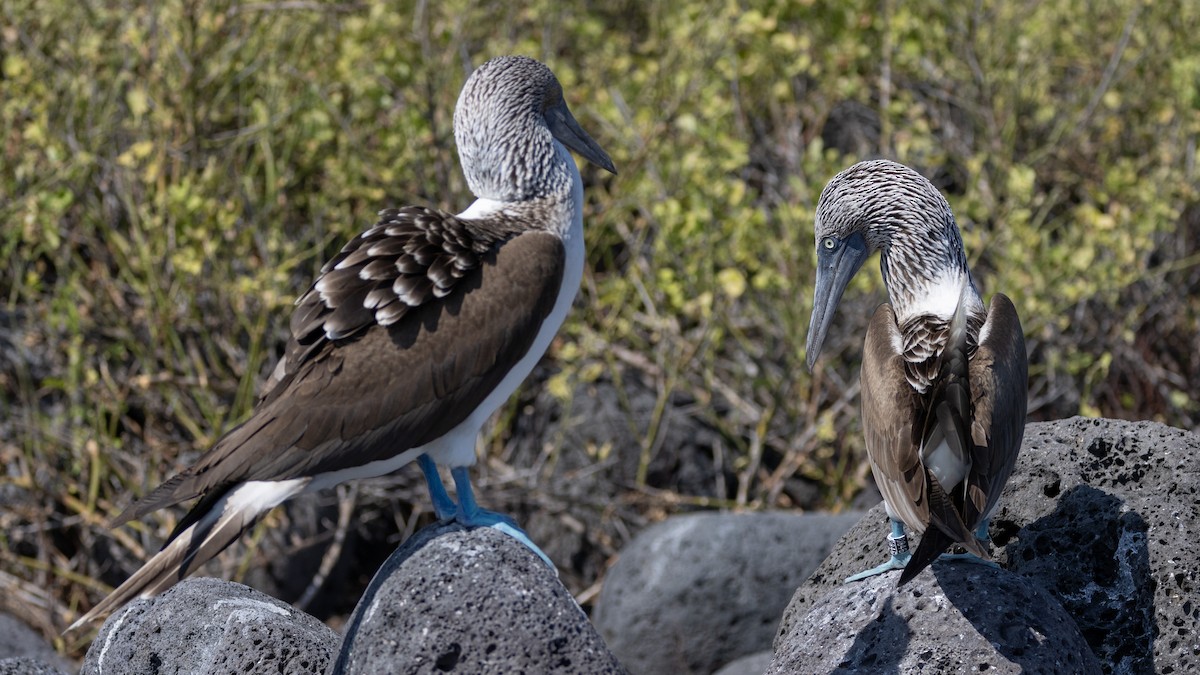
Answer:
(944, 378)
(410, 337)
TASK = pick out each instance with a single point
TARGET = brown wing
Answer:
(999, 387)
(412, 256)
(374, 369)
(891, 410)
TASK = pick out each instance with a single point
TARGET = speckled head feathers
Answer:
(900, 213)
(882, 199)
(883, 206)
(509, 113)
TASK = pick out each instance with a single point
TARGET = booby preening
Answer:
(410, 337)
(944, 379)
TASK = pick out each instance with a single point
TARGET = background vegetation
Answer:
(173, 174)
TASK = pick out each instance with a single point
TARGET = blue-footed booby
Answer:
(944, 379)
(410, 338)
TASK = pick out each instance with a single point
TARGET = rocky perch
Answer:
(212, 626)
(1098, 535)
(473, 601)
(449, 600)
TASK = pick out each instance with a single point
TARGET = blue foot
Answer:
(981, 533)
(968, 558)
(897, 546)
(897, 562)
(471, 515)
(443, 506)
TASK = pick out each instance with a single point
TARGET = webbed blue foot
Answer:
(981, 533)
(968, 558)
(894, 563)
(897, 547)
(467, 511)
(471, 515)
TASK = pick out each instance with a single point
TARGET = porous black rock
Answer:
(974, 618)
(213, 627)
(709, 587)
(1104, 515)
(462, 600)
(28, 665)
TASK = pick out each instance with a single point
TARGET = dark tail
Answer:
(946, 528)
(933, 543)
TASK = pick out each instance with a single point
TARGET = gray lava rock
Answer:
(975, 619)
(709, 587)
(28, 665)
(1104, 515)
(210, 626)
(20, 642)
(469, 601)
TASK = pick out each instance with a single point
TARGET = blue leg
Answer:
(471, 515)
(443, 506)
(898, 546)
(981, 533)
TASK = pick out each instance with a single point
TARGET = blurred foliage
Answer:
(175, 173)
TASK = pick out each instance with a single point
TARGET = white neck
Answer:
(938, 297)
(573, 219)
(565, 206)
(481, 209)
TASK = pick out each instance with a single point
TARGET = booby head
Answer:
(508, 117)
(879, 205)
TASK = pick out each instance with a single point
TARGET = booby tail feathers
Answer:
(946, 527)
(211, 526)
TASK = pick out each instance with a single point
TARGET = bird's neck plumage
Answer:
(557, 207)
(925, 271)
(926, 275)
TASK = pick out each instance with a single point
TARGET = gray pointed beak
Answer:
(568, 132)
(835, 268)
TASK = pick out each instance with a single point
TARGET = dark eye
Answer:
(828, 243)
